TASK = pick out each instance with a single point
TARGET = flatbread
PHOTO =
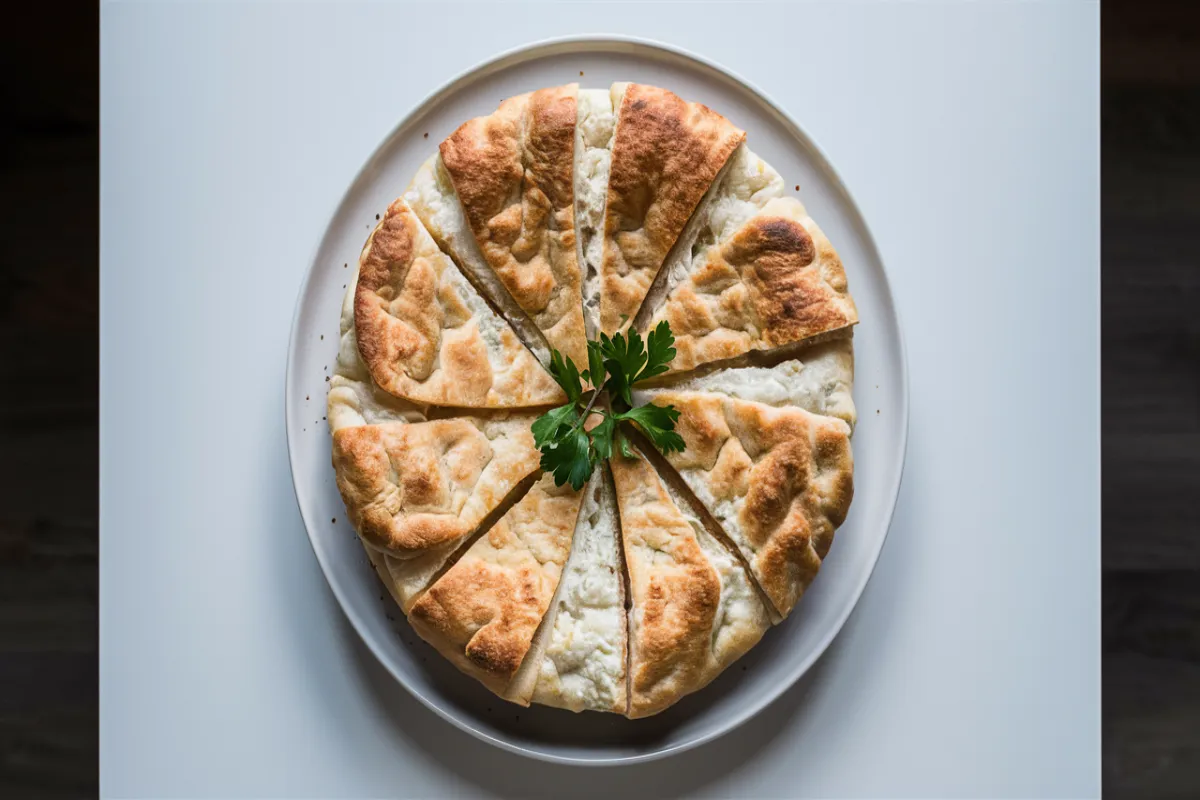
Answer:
(775, 281)
(778, 481)
(482, 614)
(694, 610)
(410, 488)
(666, 156)
(583, 664)
(513, 174)
(820, 381)
(425, 334)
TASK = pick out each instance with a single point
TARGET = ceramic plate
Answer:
(880, 391)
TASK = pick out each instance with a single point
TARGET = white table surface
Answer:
(969, 135)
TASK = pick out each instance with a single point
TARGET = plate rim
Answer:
(519, 54)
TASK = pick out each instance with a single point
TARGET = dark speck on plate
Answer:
(426, 136)
(797, 187)
(581, 73)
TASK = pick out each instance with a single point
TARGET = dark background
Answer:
(49, 288)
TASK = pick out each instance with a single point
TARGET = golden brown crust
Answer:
(778, 480)
(666, 153)
(482, 614)
(513, 171)
(775, 281)
(412, 487)
(426, 337)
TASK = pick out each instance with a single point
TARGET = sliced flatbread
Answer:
(666, 155)
(694, 610)
(820, 381)
(483, 613)
(747, 184)
(513, 174)
(425, 334)
(413, 487)
(583, 665)
(778, 481)
(775, 281)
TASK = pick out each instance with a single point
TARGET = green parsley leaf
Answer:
(626, 450)
(602, 436)
(548, 426)
(624, 359)
(658, 423)
(568, 459)
(566, 375)
(595, 373)
(660, 351)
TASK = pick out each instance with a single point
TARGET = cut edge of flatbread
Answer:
(745, 184)
(512, 173)
(701, 142)
(431, 196)
(773, 447)
(484, 612)
(681, 635)
(820, 380)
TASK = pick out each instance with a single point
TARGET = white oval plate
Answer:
(881, 392)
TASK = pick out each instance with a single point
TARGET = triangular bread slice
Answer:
(427, 336)
(773, 282)
(820, 381)
(412, 488)
(484, 612)
(513, 172)
(582, 666)
(694, 610)
(666, 155)
(778, 481)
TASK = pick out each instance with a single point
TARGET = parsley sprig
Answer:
(570, 451)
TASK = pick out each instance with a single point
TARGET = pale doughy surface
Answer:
(583, 667)
(820, 381)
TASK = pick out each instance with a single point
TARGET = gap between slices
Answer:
(683, 496)
(512, 172)
(746, 183)
(483, 612)
(427, 336)
(693, 610)
(666, 155)
(818, 378)
(771, 282)
(778, 481)
(432, 197)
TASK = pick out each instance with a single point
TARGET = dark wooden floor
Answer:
(1151, 414)
(1151, 398)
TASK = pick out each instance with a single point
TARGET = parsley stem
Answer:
(587, 410)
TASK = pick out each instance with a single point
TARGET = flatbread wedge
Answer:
(425, 334)
(666, 156)
(484, 612)
(583, 664)
(820, 381)
(775, 281)
(413, 487)
(694, 610)
(778, 481)
(513, 174)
